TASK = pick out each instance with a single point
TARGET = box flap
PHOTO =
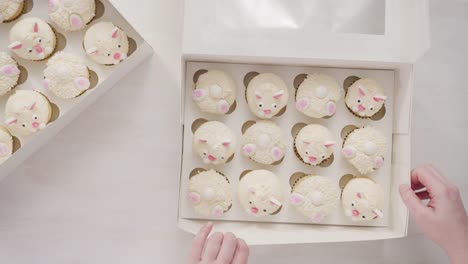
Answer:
(365, 30)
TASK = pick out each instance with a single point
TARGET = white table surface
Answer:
(105, 190)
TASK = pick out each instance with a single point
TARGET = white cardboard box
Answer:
(245, 38)
(69, 109)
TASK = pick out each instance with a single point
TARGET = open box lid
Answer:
(394, 31)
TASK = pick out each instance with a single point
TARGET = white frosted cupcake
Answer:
(260, 193)
(32, 39)
(362, 199)
(72, 15)
(314, 144)
(365, 98)
(210, 193)
(317, 96)
(10, 9)
(106, 44)
(214, 142)
(6, 144)
(9, 73)
(264, 143)
(315, 197)
(215, 92)
(27, 112)
(267, 94)
(365, 149)
(66, 75)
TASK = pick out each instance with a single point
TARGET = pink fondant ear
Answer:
(198, 94)
(278, 95)
(258, 95)
(274, 201)
(317, 218)
(82, 83)
(46, 84)
(331, 108)
(227, 143)
(223, 106)
(361, 91)
(3, 149)
(277, 153)
(15, 45)
(359, 195)
(10, 70)
(194, 197)
(378, 213)
(76, 21)
(380, 98)
(249, 149)
(302, 104)
(52, 5)
(378, 162)
(217, 211)
(36, 27)
(202, 140)
(329, 144)
(115, 32)
(252, 190)
(11, 121)
(31, 107)
(306, 142)
(296, 199)
(92, 50)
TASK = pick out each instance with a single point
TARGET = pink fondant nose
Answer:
(361, 108)
(38, 48)
(211, 158)
(35, 124)
(355, 212)
(312, 159)
(267, 112)
(254, 210)
(117, 56)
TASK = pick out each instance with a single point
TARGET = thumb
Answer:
(414, 204)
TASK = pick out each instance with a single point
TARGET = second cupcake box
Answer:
(287, 144)
(56, 59)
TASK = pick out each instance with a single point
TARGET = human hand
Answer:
(218, 249)
(443, 219)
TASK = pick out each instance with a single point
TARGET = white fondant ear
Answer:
(274, 201)
(36, 27)
(380, 98)
(32, 106)
(329, 144)
(92, 50)
(115, 32)
(278, 95)
(258, 95)
(378, 213)
(11, 120)
(361, 91)
(252, 190)
(15, 45)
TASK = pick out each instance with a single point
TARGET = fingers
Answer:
(242, 253)
(228, 248)
(425, 176)
(212, 247)
(199, 243)
(414, 204)
(424, 195)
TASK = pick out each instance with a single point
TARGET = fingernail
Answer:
(209, 225)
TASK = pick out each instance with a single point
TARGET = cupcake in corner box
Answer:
(32, 39)
(214, 143)
(10, 9)
(9, 73)
(317, 96)
(267, 94)
(66, 75)
(315, 197)
(365, 149)
(106, 44)
(215, 92)
(365, 98)
(6, 144)
(264, 143)
(210, 193)
(362, 199)
(314, 144)
(72, 15)
(260, 193)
